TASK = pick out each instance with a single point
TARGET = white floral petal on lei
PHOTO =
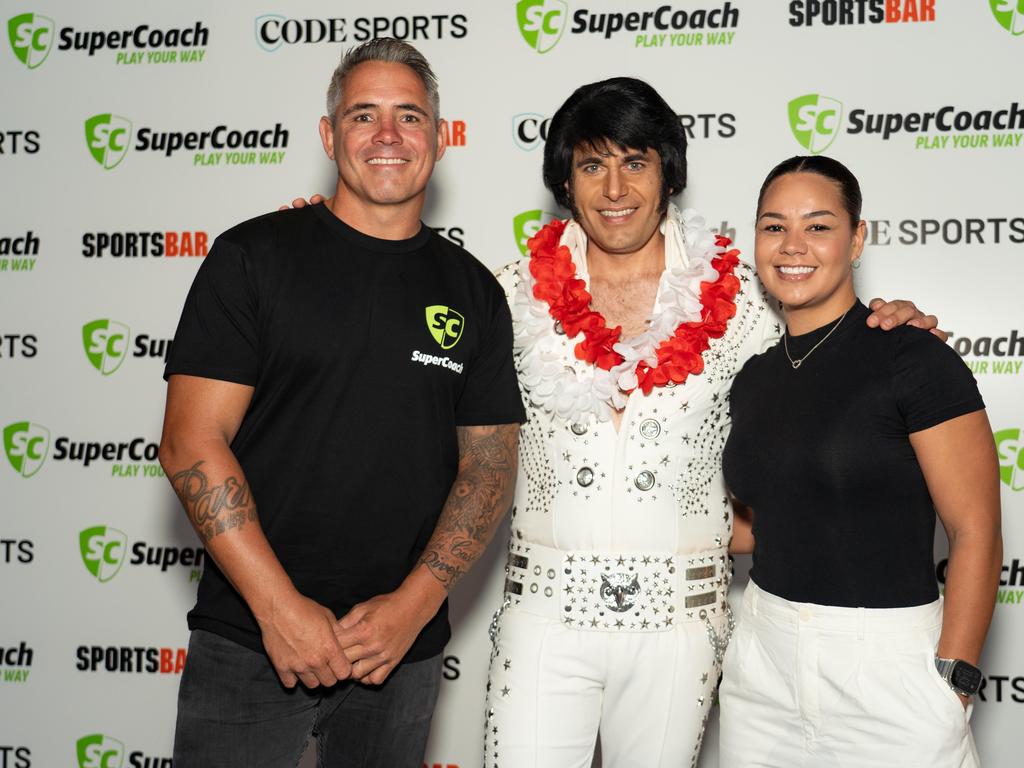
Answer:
(548, 369)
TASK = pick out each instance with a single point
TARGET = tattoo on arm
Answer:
(479, 498)
(213, 509)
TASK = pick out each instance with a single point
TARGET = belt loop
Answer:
(862, 616)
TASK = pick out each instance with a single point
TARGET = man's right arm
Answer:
(200, 421)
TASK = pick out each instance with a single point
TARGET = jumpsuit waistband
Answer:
(618, 591)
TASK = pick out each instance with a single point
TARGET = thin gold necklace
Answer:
(799, 361)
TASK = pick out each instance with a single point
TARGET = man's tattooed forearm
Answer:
(439, 567)
(213, 509)
(480, 496)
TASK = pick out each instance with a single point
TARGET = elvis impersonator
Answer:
(615, 618)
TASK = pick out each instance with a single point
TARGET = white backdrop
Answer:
(97, 562)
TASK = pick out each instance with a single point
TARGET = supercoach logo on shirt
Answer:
(444, 362)
(445, 325)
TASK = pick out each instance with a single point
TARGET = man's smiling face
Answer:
(616, 195)
(385, 138)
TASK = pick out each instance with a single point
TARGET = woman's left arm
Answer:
(958, 459)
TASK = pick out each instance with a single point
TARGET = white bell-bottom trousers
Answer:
(552, 688)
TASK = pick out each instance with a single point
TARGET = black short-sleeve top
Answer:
(822, 454)
(365, 355)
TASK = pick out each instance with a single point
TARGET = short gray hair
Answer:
(388, 50)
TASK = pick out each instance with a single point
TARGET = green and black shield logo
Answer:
(445, 325)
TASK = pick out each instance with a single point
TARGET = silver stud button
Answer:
(644, 481)
(650, 428)
(586, 476)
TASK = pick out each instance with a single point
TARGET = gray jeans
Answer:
(233, 711)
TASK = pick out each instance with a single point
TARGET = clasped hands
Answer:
(307, 644)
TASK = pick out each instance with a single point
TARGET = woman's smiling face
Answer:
(805, 245)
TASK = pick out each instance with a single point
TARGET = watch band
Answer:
(946, 669)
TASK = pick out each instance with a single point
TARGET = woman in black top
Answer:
(845, 442)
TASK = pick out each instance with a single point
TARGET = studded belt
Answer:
(617, 592)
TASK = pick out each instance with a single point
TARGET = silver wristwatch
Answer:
(962, 676)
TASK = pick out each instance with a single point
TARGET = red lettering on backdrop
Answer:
(172, 660)
(455, 134)
(185, 244)
(909, 10)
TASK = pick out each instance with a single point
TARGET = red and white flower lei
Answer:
(695, 302)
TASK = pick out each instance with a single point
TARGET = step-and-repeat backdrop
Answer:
(133, 133)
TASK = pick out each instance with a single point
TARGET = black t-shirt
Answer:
(365, 355)
(822, 454)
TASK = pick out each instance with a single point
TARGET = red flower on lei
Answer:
(569, 303)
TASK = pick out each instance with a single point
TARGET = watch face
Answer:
(965, 677)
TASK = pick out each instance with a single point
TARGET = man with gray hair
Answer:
(350, 372)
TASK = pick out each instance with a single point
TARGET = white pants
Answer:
(810, 686)
(552, 687)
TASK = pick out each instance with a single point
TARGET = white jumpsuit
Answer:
(615, 615)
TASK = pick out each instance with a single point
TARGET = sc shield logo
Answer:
(108, 138)
(99, 751)
(106, 344)
(103, 551)
(542, 22)
(526, 225)
(26, 446)
(1010, 448)
(1009, 14)
(31, 38)
(815, 121)
(445, 325)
